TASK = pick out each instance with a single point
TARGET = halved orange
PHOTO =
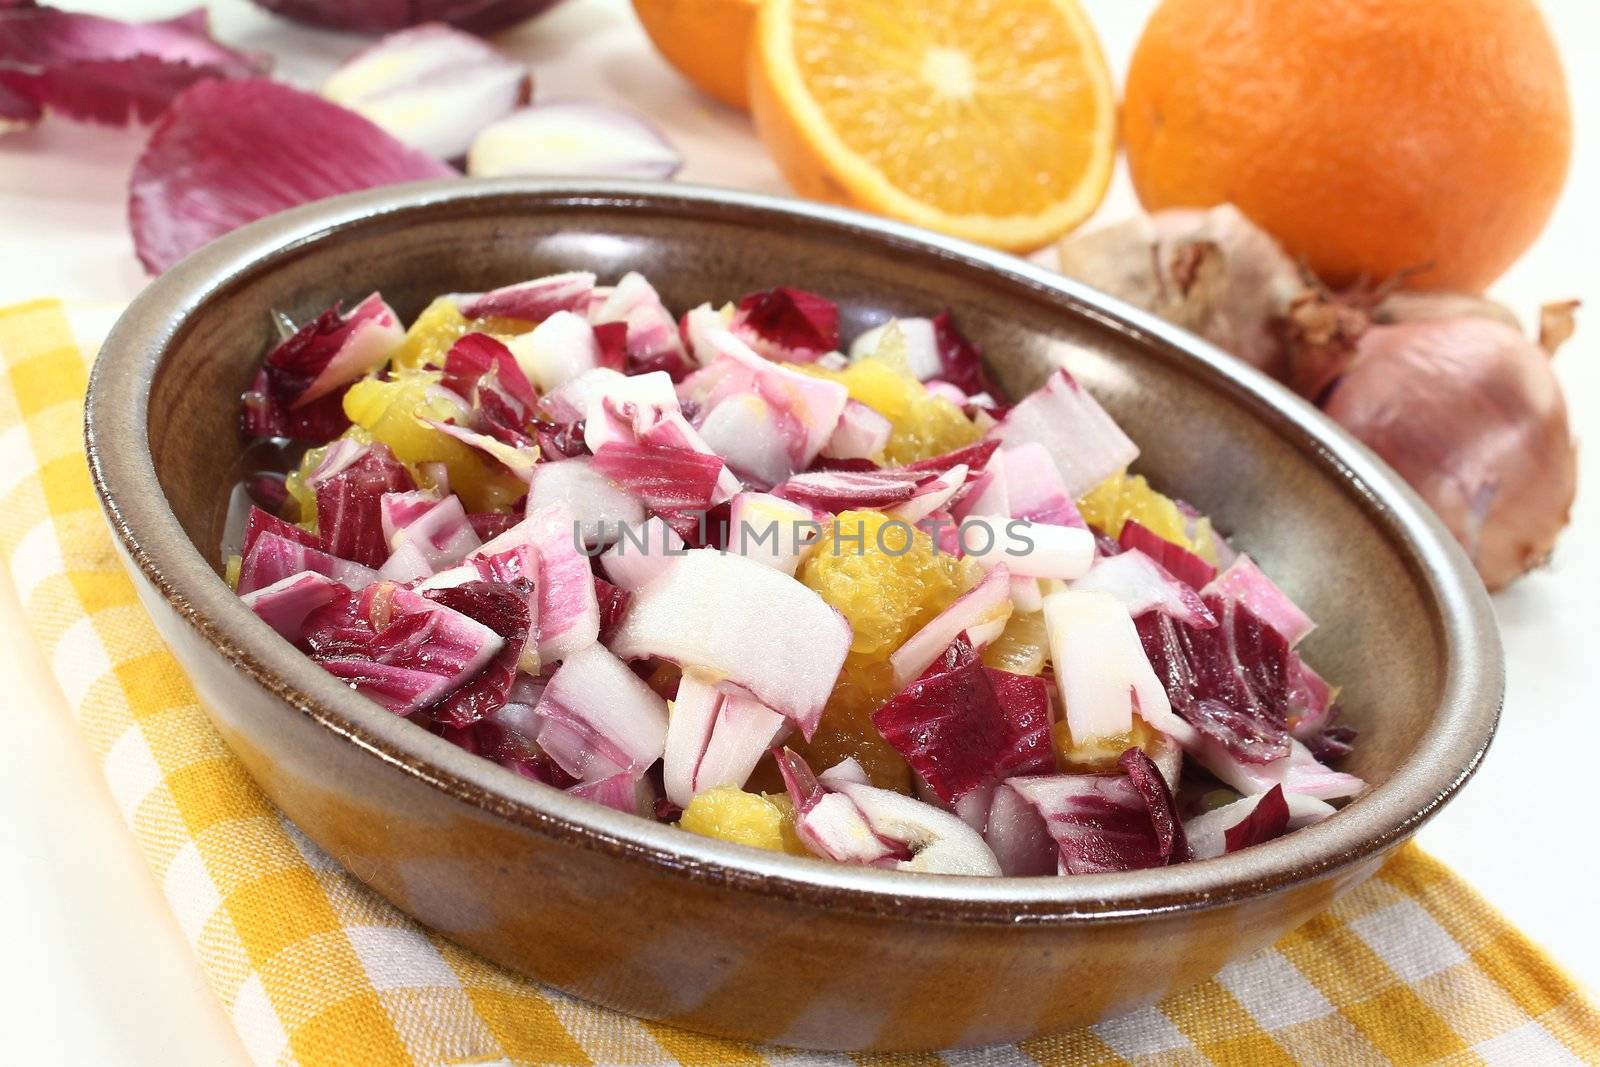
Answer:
(993, 120)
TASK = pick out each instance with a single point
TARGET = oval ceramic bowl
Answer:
(709, 935)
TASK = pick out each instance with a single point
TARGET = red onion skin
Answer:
(383, 16)
(1470, 413)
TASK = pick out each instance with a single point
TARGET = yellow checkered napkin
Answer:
(316, 970)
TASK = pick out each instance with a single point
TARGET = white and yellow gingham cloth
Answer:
(314, 969)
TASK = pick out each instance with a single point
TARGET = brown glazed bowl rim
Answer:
(124, 476)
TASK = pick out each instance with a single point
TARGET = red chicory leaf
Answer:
(1024, 702)
(612, 337)
(1267, 820)
(260, 522)
(1311, 700)
(1178, 561)
(1332, 743)
(316, 423)
(475, 355)
(386, 639)
(798, 779)
(499, 414)
(1244, 582)
(613, 605)
(268, 489)
(350, 506)
(531, 301)
(1250, 738)
(285, 604)
(1106, 828)
(673, 479)
(338, 628)
(960, 362)
(503, 608)
(298, 392)
(1098, 822)
(841, 490)
(103, 70)
(510, 747)
(230, 152)
(1146, 777)
(559, 441)
(789, 324)
(600, 718)
(489, 524)
(1232, 681)
(273, 557)
(945, 725)
(975, 456)
(828, 463)
(401, 690)
(17, 111)
(666, 811)
(962, 726)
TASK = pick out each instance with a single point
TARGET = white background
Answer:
(92, 967)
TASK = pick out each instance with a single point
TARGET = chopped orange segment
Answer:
(887, 589)
(388, 410)
(752, 819)
(993, 120)
(1128, 496)
(441, 325)
(304, 497)
(865, 684)
(438, 327)
(1023, 647)
(1100, 755)
(922, 425)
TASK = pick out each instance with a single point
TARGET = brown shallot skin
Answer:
(1212, 272)
(1470, 413)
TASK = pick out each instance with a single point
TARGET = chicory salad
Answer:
(717, 572)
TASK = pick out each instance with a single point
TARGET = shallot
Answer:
(572, 138)
(1445, 387)
(431, 86)
(1213, 272)
(1468, 411)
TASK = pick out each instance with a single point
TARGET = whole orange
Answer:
(707, 40)
(1371, 137)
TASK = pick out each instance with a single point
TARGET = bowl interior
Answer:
(1206, 444)
(1402, 626)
